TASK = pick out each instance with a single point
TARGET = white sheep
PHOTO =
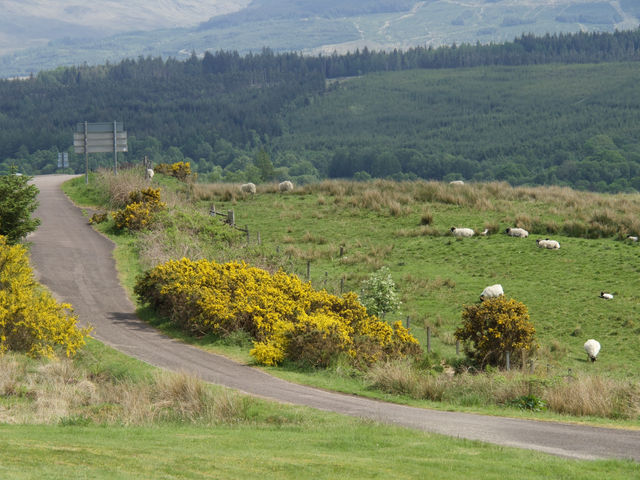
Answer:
(606, 296)
(456, 182)
(632, 238)
(592, 347)
(285, 186)
(492, 291)
(517, 232)
(485, 232)
(149, 174)
(546, 243)
(248, 188)
(462, 232)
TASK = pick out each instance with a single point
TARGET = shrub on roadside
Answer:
(31, 320)
(140, 209)
(494, 327)
(179, 170)
(286, 318)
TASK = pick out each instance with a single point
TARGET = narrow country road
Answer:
(76, 263)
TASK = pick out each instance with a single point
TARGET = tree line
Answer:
(222, 110)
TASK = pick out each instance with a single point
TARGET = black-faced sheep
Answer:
(492, 291)
(517, 232)
(606, 296)
(546, 243)
(462, 232)
(248, 188)
(285, 186)
(632, 238)
(592, 347)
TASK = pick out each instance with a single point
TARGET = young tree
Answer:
(379, 293)
(494, 327)
(17, 203)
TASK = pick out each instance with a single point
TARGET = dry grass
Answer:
(594, 396)
(57, 391)
(590, 215)
(581, 396)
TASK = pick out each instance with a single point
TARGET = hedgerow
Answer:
(31, 320)
(286, 318)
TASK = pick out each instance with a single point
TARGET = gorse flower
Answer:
(287, 318)
(31, 320)
(139, 211)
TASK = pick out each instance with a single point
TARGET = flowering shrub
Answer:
(139, 211)
(494, 327)
(180, 170)
(31, 321)
(286, 318)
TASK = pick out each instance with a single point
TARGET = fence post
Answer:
(429, 339)
(231, 218)
(408, 322)
(308, 270)
(341, 250)
(508, 360)
(259, 239)
(457, 347)
(212, 210)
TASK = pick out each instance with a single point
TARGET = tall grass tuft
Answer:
(590, 395)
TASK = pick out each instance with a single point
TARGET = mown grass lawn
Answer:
(326, 447)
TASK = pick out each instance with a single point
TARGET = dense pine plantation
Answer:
(557, 109)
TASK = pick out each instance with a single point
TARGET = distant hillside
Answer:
(472, 112)
(111, 31)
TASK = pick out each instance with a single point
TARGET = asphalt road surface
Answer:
(76, 263)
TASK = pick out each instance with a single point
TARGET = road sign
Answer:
(100, 137)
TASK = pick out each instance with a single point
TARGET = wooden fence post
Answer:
(457, 347)
(231, 218)
(508, 360)
(308, 270)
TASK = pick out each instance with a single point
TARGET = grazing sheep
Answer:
(248, 188)
(462, 232)
(149, 174)
(632, 238)
(517, 232)
(456, 182)
(592, 347)
(606, 296)
(546, 243)
(485, 232)
(492, 291)
(285, 186)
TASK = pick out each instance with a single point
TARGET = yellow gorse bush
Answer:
(139, 211)
(31, 320)
(287, 318)
(494, 327)
(180, 170)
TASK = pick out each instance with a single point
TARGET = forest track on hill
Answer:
(76, 263)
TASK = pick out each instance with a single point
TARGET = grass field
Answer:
(344, 231)
(328, 447)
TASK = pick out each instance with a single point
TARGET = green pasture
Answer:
(437, 275)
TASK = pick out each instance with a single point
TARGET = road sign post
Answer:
(99, 138)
